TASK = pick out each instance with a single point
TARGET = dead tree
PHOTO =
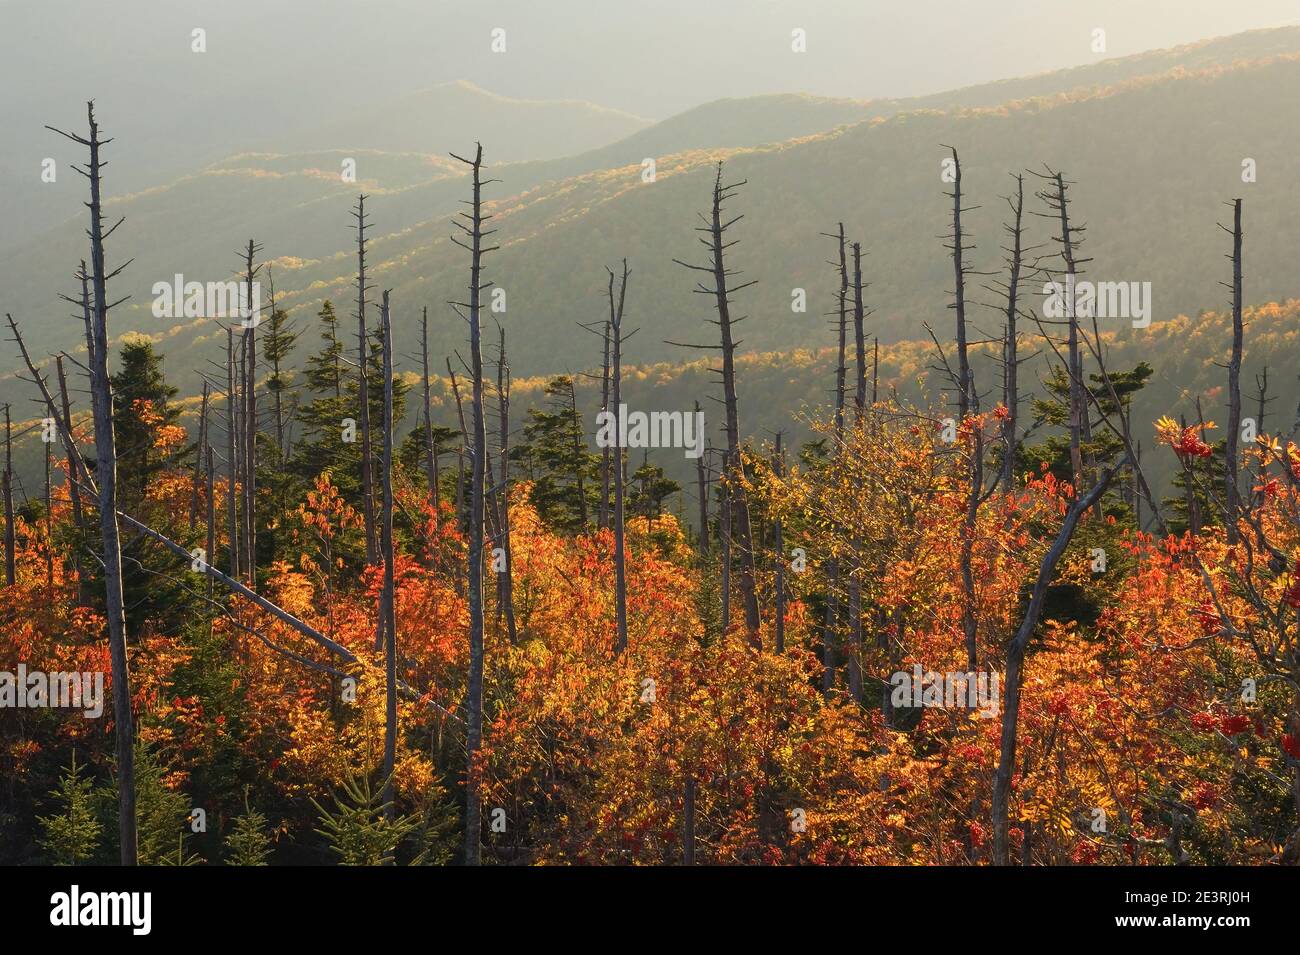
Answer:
(49, 528)
(211, 472)
(232, 456)
(387, 616)
(363, 384)
(1232, 495)
(474, 234)
(831, 616)
(106, 473)
(1056, 195)
(10, 567)
(860, 413)
(1015, 665)
(74, 490)
(778, 466)
(965, 385)
(620, 477)
(505, 578)
(249, 455)
(715, 230)
(200, 453)
(602, 519)
(1011, 359)
(702, 491)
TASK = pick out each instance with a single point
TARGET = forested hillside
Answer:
(767, 510)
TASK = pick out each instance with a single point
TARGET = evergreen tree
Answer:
(359, 830)
(277, 342)
(141, 405)
(650, 488)
(248, 843)
(71, 835)
(555, 451)
(162, 813)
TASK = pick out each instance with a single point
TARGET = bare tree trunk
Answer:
(1010, 358)
(74, 491)
(10, 566)
(478, 473)
(1233, 491)
(860, 411)
(702, 489)
(1015, 667)
(196, 481)
(620, 557)
(965, 386)
(506, 581)
(779, 467)
(363, 385)
(1059, 202)
(106, 472)
(49, 530)
(212, 508)
(250, 416)
(387, 615)
(232, 456)
(734, 470)
(602, 519)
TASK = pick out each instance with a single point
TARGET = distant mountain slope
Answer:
(451, 114)
(1153, 157)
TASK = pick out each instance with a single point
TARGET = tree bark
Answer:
(363, 386)
(478, 474)
(1232, 470)
(620, 556)
(106, 471)
(387, 615)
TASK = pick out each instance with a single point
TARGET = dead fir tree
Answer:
(602, 519)
(106, 473)
(72, 453)
(860, 415)
(714, 239)
(778, 466)
(620, 477)
(363, 383)
(232, 456)
(250, 320)
(472, 236)
(1014, 256)
(963, 383)
(387, 625)
(505, 576)
(1232, 490)
(200, 455)
(1069, 237)
(831, 616)
(10, 569)
(702, 492)
(956, 244)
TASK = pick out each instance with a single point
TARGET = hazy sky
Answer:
(274, 64)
